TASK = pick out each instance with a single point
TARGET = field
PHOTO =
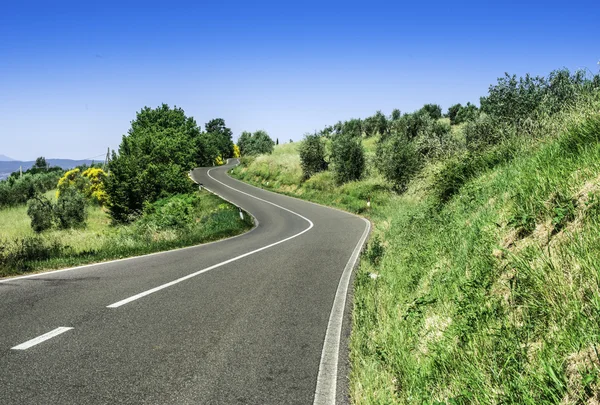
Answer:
(24, 251)
(492, 296)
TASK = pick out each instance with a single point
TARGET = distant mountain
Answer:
(4, 158)
(7, 167)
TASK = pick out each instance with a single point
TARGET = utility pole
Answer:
(20, 172)
(106, 159)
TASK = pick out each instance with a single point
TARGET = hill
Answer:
(4, 158)
(480, 282)
(8, 167)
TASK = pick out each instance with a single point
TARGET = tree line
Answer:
(513, 108)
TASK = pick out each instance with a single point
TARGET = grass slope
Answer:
(492, 297)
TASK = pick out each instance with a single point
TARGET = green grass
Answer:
(22, 250)
(490, 297)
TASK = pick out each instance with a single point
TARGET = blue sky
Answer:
(73, 74)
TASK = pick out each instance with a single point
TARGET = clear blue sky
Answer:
(73, 74)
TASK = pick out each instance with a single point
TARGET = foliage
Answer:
(484, 132)
(153, 160)
(398, 160)
(236, 151)
(458, 113)
(347, 156)
(40, 210)
(220, 136)
(209, 218)
(376, 125)
(94, 188)
(18, 190)
(434, 111)
(513, 100)
(255, 144)
(70, 209)
(312, 155)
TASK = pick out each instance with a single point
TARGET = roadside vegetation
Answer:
(480, 283)
(142, 202)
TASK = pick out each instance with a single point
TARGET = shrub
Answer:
(174, 212)
(93, 187)
(70, 210)
(348, 158)
(312, 155)
(398, 160)
(433, 139)
(434, 111)
(20, 254)
(255, 144)
(39, 209)
(460, 169)
(484, 132)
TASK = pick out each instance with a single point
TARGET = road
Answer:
(254, 319)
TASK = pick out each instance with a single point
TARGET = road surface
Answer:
(254, 319)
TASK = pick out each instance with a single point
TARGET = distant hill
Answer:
(7, 167)
(4, 158)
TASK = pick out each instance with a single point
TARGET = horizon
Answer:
(74, 75)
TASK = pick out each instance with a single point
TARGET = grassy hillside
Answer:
(490, 296)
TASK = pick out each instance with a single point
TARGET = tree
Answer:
(396, 114)
(69, 210)
(398, 160)
(255, 144)
(433, 110)
(277, 141)
(153, 160)
(39, 209)
(312, 155)
(244, 142)
(261, 143)
(40, 163)
(221, 136)
(452, 112)
(348, 157)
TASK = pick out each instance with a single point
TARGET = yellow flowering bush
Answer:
(236, 151)
(69, 179)
(94, 187)
(90, 183)
(219, 161)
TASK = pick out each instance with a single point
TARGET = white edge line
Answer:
(179, 280)
(50, 272)
(325, 392)
(42, 338)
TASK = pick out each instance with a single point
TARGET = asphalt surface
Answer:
(250, 331)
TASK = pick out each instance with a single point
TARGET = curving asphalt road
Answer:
(254, 319)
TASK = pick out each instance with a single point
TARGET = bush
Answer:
(398, 160)
(312, 155)
(255, 144)
(348, 158)
(176, 212)
(484, 132)
(39, 209)
(434, 111)
(20, 254)
(433, 139)
(70, 210)
(460, 169)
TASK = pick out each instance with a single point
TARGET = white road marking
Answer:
(327, 378)
(179, 280)
(42, 338)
